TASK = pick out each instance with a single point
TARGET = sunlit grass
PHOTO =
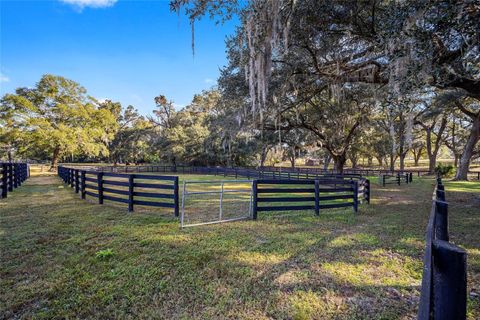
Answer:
(289, 265)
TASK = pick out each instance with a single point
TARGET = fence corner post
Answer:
(175, 196)
(255, 197)
(317, 197)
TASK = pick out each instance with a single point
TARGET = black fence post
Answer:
(449, 281)
(255, 198)
(15, 175)
(100, 187)
(72, 177)
(77, 182)
(383, 178)
(441, 220)
(317, 197)
(10, 177)
(131, 182)
(440, 194)
(355, 196)
(398, 178)
(4, 180)
(176, 197)
(410, 177)
(83, 184)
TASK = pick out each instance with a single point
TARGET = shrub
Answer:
(444, 170)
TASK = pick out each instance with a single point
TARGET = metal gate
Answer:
(215, 201)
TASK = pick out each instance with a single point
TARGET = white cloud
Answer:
(209, 81)
(4, 78)
(81, 4)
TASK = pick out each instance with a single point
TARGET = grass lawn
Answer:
(62, 257)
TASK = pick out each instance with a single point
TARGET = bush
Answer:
(444, 170)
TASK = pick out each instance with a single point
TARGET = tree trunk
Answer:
(263, 157)
(464, 165)
(457, 156)
(392, 162)
(56, 154)
(339, 162)
(354, 161)
(10, 156)
(380, 161)
(293, 157)
(326, 161)
(402, 161)
(370, 161)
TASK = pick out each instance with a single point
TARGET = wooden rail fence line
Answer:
(308, 194)
(131, 189)
(444, 281)
(12, 176)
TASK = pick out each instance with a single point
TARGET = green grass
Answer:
(62, 257)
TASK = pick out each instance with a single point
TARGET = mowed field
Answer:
(63, 257)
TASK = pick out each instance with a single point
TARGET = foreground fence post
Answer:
(131, 181)
(317, 197)
(100, 187)
(255, 198)
(449, 281)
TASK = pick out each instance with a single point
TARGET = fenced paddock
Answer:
(444, 281)
(130, 189)
(12, 175)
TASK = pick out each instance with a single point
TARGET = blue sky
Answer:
(127, 51)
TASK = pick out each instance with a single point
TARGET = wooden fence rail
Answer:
(131, 189)
(291, 195)
(396, 178)
(444, 282)
(12, 176)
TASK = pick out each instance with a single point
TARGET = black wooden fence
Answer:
(444, 282)
(12, 176)
(396, 179)
(290, 195)
(131, 189)
(249, 173)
